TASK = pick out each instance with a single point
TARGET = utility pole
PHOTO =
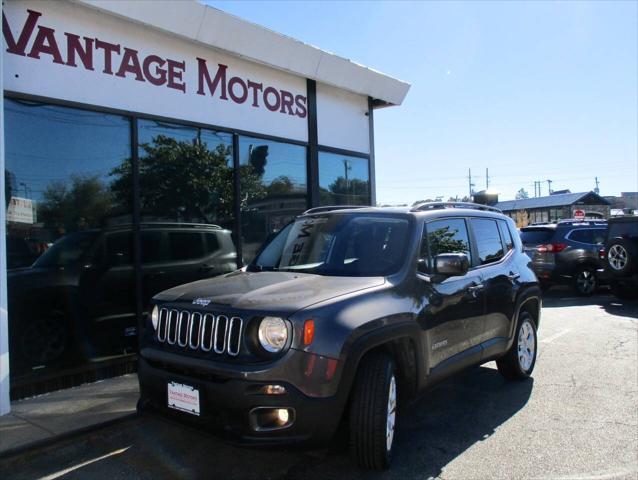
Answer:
(487, 179)
(597, 190)
(549, 186)
(469, 179)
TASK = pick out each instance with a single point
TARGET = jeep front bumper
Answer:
(233, 401)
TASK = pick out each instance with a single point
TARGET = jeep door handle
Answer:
(513, 276)
(206, 268)
(474, 290)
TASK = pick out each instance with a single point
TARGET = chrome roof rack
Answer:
(421, 207)
(180, 225)
(329, 208)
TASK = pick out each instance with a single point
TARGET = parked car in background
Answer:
(345, 315)
(566, 253)
(619, 257)
(77, 300)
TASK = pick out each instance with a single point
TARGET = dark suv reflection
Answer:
(78, 300)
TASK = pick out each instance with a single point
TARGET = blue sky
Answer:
(531, 90)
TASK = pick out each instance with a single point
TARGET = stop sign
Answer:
(579, 214)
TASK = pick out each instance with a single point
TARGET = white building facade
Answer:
(123, 118)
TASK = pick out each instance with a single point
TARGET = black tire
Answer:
(624, 292)
(621, 257)
(585, 281)
(510, 366)
(369, 412)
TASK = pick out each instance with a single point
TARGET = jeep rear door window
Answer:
(488, 240)
(623, 229)
(448, 235)
(342, 245)
(505, 235)
(536, 236)
(185, 245)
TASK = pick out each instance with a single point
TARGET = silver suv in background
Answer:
(566, 253)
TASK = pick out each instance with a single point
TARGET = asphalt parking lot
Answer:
(577, 418)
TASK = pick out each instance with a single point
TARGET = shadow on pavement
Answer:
(562, 297)
(442, 425)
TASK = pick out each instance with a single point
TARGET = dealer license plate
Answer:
(183, 397)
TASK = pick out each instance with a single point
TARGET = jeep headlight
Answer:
(272, 334)
(155, 317)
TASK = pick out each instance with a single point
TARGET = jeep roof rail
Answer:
(420, 207)
(329, 208)
(586, 221)
(180, 224)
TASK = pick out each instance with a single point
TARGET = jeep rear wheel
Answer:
(621, 257)
(585, 281)
(518, 363)
(373, 412)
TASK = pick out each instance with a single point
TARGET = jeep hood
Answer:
(281, 291)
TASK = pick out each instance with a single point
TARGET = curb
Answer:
(47, 442)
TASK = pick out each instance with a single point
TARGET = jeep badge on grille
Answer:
(202, 302)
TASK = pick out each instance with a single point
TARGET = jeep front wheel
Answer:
(373, 411)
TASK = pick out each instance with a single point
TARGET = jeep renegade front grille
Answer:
(200, 331)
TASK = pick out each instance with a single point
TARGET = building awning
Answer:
(212, 27)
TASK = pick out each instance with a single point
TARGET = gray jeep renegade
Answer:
(344, 315)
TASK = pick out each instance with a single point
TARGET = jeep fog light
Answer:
(282, 415)
(263, 419)
(273, 334)
(155, 317)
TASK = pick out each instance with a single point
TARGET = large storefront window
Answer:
(343, 180)
(69, 218)
(186, 203)
(273, 189)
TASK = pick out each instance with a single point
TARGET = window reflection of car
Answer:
(22, 252)
(78, 300)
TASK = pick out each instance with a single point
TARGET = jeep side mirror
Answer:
(451, 264)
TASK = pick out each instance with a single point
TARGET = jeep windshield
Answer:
(68, 250)
(352, 245)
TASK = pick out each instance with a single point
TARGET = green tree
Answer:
(442, 240)
(346, 192)
(185, 181)
(281, 185)
(521, 194)
(82, 203)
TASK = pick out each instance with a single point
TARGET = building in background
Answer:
(138, 138)
(554, 207)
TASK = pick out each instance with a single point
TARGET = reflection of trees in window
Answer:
(83, 202)
(345, 191)
(184, 181)
(442, 240)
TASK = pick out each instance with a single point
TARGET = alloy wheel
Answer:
(617, 257)
(586, 281)
(526, 346)
(392, 413)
